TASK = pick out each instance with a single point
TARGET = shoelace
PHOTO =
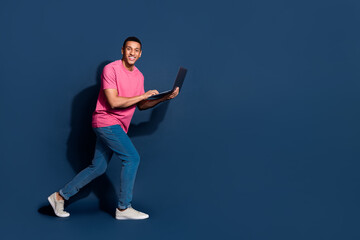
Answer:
(135, 210)
(60, 207)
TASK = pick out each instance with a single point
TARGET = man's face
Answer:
(132, 52)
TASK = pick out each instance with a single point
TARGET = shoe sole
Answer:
(52, 203)
(129, 218)
(125, 218)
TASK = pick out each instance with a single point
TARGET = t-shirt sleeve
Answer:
(108, 78)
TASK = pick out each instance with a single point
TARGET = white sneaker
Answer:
(58, 206)
(130, 213)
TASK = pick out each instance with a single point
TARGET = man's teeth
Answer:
(132, 58)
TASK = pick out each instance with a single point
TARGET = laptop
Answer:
(178, 83)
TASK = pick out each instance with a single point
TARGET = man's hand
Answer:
(150, 93)
(173, 94)
(145, 104)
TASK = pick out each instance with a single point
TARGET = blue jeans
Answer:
(111, 139)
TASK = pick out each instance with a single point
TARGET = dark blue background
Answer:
(262, 143)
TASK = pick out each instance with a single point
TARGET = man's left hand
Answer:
(173, 94)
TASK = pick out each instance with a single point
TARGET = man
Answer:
(122, 89)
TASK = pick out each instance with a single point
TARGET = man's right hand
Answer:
(150, 93)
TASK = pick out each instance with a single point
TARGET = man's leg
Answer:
(119, 142)
(97, 167)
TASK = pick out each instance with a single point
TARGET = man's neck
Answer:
(127, 66)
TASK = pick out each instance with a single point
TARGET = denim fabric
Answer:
(110, 140)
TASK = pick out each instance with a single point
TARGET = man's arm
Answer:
(116, 101)
(146, 104)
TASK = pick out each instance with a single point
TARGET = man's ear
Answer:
(140, 54)
(122, 50)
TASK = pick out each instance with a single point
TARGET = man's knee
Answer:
(99, 169)
(136, 158)
(133, 159)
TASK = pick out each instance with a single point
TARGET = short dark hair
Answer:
(134, 39)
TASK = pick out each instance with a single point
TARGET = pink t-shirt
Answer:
(128, 84)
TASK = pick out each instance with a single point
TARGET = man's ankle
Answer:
(121, 210)
(59, 197)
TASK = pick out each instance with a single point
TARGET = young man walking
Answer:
(122, 89)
